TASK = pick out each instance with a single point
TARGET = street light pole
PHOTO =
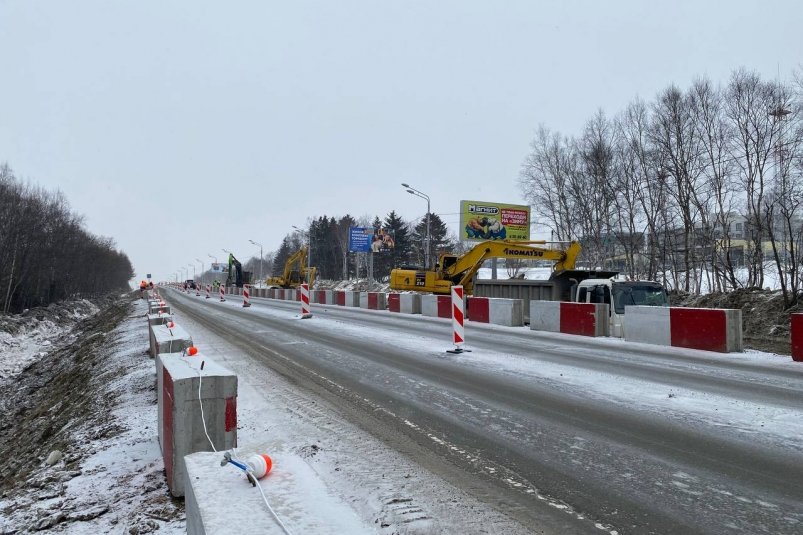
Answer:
(260, 257)
(412, 191)
(202, 267)
(193, 271)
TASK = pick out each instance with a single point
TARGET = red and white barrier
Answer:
(305, 308)
(584, 319)
(495, 310)
(709, 329)
(373, 300)
(436, 306)
(208, 290)
(797, 336)
(458, 317)
(246, 295)
(222, 293)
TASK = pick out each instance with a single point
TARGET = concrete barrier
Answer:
(394, 302)
(155, 307)
(584, 319)
(497, 311)
(164, 339)
(218, 500)
(796, 330)
(709, 329)
(377, 300)
(159, 319)
(436, 306)
(410, 303)
(182, 430)
(352, 299)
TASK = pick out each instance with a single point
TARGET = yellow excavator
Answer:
(295, 272)
(453, 270)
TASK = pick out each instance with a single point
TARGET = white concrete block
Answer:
(649, 325)
(545, 316)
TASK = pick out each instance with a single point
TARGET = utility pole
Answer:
(260, 257)
(412, 191)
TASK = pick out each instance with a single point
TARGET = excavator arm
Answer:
(295, 271)
(460, 270)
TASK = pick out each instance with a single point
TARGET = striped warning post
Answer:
(305, 309)
(222, 293)
(246, 295)
(208, 290)
(458, 317)
(197, 290)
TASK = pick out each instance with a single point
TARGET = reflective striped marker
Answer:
(305, 308)
(222, 293)
(246, 296)
(458, 317)
(208, 290)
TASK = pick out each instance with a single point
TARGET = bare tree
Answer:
(749, 103)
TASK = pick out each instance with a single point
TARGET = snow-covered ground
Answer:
(323, 464)
(31, 335)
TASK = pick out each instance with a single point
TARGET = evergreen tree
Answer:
(400, 254)
(440, 241)
(281, 257)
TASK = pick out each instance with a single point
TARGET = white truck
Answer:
(583, 286)
(618, 295)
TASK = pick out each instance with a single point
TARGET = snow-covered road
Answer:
(557, 432)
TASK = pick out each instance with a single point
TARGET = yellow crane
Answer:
(454, 270)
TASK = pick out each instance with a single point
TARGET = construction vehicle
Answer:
(452, 270)
(618, 294)
(236, 275)
(295, 272)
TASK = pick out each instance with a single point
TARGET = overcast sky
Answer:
(179, 128)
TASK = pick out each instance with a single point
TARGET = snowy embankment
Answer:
(31, 335)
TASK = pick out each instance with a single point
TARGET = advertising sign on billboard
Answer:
(481, 221)
(360, 239)
(367, 239)
(219, 267)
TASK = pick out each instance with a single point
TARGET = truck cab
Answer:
(618, 295)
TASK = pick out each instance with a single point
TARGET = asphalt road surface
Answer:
(536, 448)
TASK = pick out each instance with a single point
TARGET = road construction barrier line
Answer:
(305, 308)
(709, 329)
(797, 336)
(458, 317)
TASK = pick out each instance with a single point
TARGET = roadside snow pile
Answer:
(32, 334)
(78, 435)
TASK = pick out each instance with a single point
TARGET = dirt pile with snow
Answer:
(33, 333)
(765, 323)
(70, 458)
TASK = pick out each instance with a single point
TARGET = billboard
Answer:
(219, 267)
(367, 239)
(481, 221)
(360, 239)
